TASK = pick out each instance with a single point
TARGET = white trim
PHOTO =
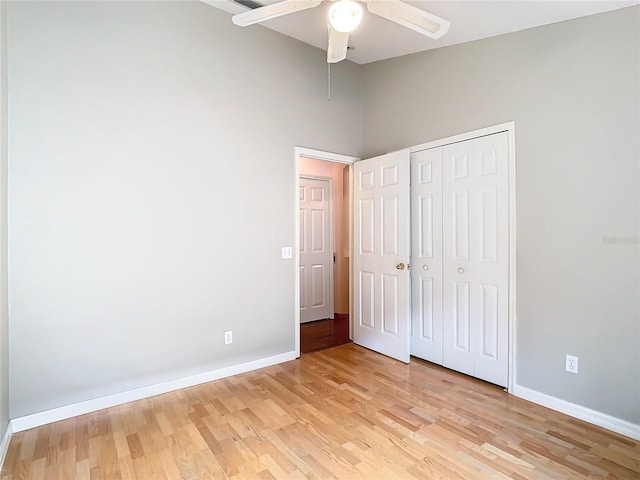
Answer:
(510, 128)
(600, 419)
(350, 183)
(316, 155)
(502, 127)
(321, 155)
(4, 445)
(80, 408)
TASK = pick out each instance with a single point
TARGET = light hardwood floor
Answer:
(340, 413)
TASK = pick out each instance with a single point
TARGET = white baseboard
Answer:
(603, 420)
(4, 445)
(68, 411)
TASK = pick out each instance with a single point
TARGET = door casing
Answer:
(329, 157)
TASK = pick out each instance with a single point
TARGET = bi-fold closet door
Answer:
(459, 256)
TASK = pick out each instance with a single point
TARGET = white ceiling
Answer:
(379, 39)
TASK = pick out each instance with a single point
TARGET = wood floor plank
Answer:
(339, 413)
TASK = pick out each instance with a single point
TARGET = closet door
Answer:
(475, 257)
(426, 255)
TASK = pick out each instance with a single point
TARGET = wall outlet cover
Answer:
(571, 364)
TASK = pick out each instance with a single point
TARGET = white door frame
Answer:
(510, 128)
(329, 157)
(332, 236)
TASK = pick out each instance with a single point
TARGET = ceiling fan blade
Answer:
(409, 16)
(274, 10)
(338, 43)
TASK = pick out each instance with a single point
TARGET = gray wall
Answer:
(151, 188)
(4, 318)
(151, 172)
(573, 90)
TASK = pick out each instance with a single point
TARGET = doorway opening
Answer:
(323, 241)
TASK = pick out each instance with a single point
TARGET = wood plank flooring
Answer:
(323, 334)
(342, 413)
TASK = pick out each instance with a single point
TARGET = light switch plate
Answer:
(287, 252)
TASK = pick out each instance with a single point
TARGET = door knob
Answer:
(461, 270)
(425, 267)
(400, 266)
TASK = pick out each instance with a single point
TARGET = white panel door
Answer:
(316, 255)
(381, 254)
(426, 255)
(475, 257)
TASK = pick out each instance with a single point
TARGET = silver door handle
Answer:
(425, 268)
(460, 270)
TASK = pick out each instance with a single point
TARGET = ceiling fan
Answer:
(345, 15)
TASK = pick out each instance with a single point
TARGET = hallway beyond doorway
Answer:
(323, 334)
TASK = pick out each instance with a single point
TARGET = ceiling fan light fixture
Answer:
(345, 16)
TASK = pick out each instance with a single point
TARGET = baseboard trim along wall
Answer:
(603, 420)
(42, 418)
(4, 445)
(614, 424)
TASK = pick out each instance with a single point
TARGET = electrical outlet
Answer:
(228, 337)
(572, 364)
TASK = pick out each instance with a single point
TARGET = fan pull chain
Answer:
(328, 82)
